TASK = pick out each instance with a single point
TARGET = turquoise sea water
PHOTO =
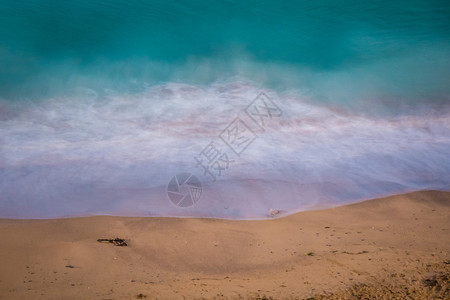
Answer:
(102, 102)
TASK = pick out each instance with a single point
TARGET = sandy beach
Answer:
(394, 247)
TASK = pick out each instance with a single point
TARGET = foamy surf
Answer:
(116, 154)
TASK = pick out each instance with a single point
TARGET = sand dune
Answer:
(395, 246)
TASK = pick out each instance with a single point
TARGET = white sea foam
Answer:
(115, 154)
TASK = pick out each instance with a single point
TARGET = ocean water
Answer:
(227, 109)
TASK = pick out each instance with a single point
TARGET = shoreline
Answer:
(397, 245)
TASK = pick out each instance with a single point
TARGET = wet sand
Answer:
(394, 247)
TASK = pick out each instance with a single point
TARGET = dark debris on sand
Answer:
(116, 242)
